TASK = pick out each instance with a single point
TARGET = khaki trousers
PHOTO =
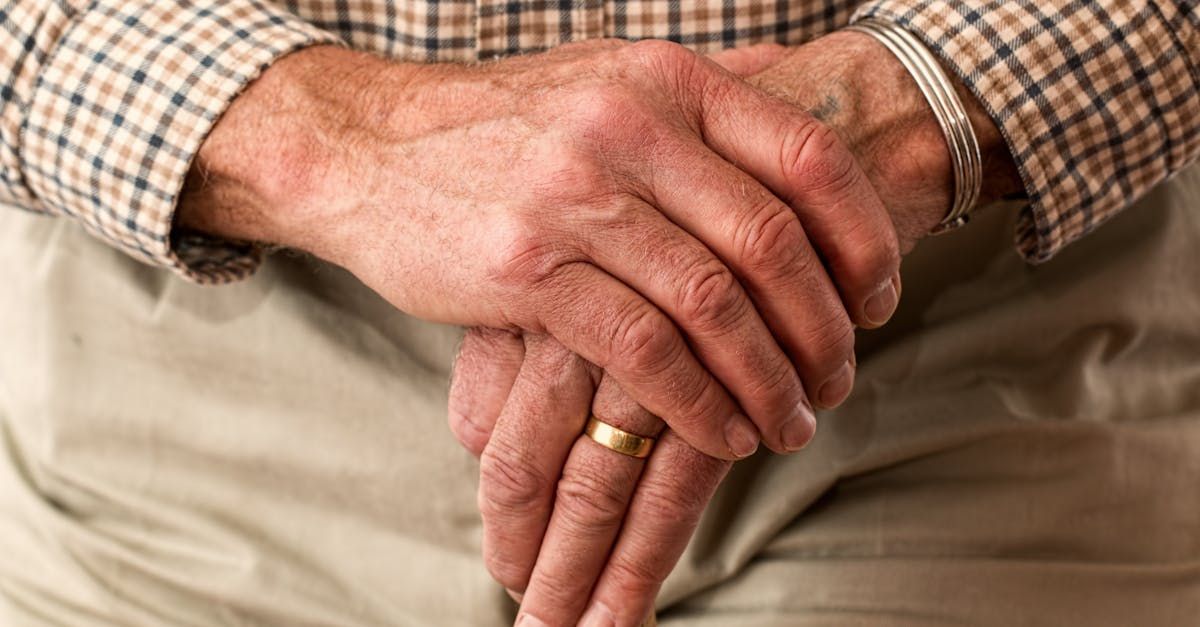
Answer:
(1022, 448)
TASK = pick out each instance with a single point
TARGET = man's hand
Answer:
(597, 492)
(634, 201)
(857, 87)
(575, 526)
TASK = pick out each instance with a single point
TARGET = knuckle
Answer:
(775, 387)
(806, 267)
(587, 501)
(643, 340)
(669, 65)
(831, 341)
(572, 176)
(610, 116)
(505, 571)
(711, 297)
(508, 484)
(815, 156)
(609, 123)
(598, 107)
(555, 590)
(701, 408)
(661, 53)
(529, 257)
(481, 350)
(671, 499)
(624, 218)
(554, 368)
(680, 504)
(484, 343)
(771, 239)
(635, 577)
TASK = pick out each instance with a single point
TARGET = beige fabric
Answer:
(1023, 448)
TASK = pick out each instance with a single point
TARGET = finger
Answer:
(708, 303)
(593, 494)
(761, 239)
(610, 325)
(484, 371)
(523, 459)
(749, 60)
(675, 487)
(808, 166)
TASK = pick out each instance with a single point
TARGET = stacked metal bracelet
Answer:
(947, 108)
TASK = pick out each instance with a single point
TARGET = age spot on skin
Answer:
(826, 109)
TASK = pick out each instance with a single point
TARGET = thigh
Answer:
(271, 452)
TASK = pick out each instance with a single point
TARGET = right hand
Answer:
(635, 201)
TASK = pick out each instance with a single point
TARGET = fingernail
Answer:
(837, 387)
(514, 595)
(529, 620)
(882, 304)
(598, 615)
(798, 430)
(741, 436)
(899, 285)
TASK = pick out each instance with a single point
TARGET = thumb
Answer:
(749, 60)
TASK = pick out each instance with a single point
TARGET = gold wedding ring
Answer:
(623, 442)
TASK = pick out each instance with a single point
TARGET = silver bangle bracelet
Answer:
(965, 159)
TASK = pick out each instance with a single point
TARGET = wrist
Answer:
(273, 169)
(855, 85)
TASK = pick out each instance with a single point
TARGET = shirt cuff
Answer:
(1070, 86)
(123, 102)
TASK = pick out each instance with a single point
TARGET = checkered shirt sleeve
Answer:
(104, 103)
(1098, 100)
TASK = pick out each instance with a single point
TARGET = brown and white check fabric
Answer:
(103, 103)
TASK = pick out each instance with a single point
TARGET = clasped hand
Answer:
(637, 223)
(583, 534)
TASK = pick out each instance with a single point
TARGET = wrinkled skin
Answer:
(577, 530)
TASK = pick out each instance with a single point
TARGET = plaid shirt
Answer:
(103, 103)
